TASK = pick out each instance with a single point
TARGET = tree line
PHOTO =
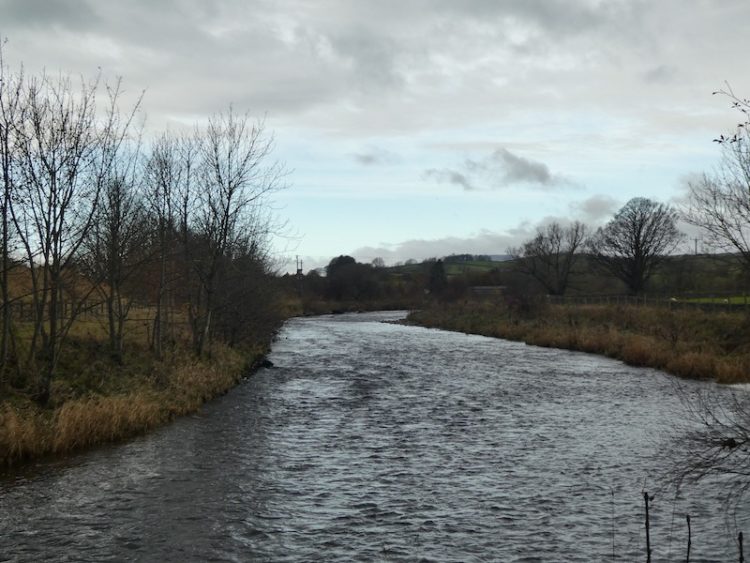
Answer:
(643, 233)
(632, 247)
(629, 247)
(94, 211)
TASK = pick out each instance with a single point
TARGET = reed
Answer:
(137, 404)
(688, 343)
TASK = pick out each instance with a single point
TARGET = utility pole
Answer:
(299, 276)
(695, 240)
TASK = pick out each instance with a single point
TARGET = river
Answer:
(380, 442)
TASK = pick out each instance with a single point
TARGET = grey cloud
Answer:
(514, 168)
(192, 57)
(551, 17)
(660, 74)
(366, 159)
(448, 176)
(681, 199)
(392, 65)
(595, 208)
(73, 14)
(277, 56)
(500, 169)
(372, 56)
(375, 157)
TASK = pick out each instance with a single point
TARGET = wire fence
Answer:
(95, 311)
(726, 301)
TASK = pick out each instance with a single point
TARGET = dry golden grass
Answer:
(21, 433)
(687, 343)
(140, 403)
(97, 398)
(86, 422)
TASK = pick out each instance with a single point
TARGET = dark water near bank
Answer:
(372, 441)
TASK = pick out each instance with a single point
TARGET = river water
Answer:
(371, 441)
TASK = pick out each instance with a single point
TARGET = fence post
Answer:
(742, 555)
(648, 532)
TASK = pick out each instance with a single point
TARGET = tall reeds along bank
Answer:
(97, 407)
(690, 343)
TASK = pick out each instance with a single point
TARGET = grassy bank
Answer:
(95, 402)
(687, 343)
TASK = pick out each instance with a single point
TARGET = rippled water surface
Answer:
(375, 441)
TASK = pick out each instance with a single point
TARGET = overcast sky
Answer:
(418, 128)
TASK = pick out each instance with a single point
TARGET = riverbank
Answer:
(694, 344)
(106, 403)
(525, 442)
(312, 307)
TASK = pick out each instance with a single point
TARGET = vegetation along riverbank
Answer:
(148, 287)
(99, 404)
(692, 343)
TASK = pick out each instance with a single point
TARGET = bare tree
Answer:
(165, 175)
(714, 441)
(247, 305)
(114, 250)
(720, 202)
(66, 154)
(633, 244)
(236, 177)
(12, 114)
(550, 256)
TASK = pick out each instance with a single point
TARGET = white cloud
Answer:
(483, 242)
(575, 92)
(592, 211)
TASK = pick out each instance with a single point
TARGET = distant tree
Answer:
(349, 280)
(459, 258)
(378, 263)
(337, 263)
(437, 280)
(635, 241)
(551, 254)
